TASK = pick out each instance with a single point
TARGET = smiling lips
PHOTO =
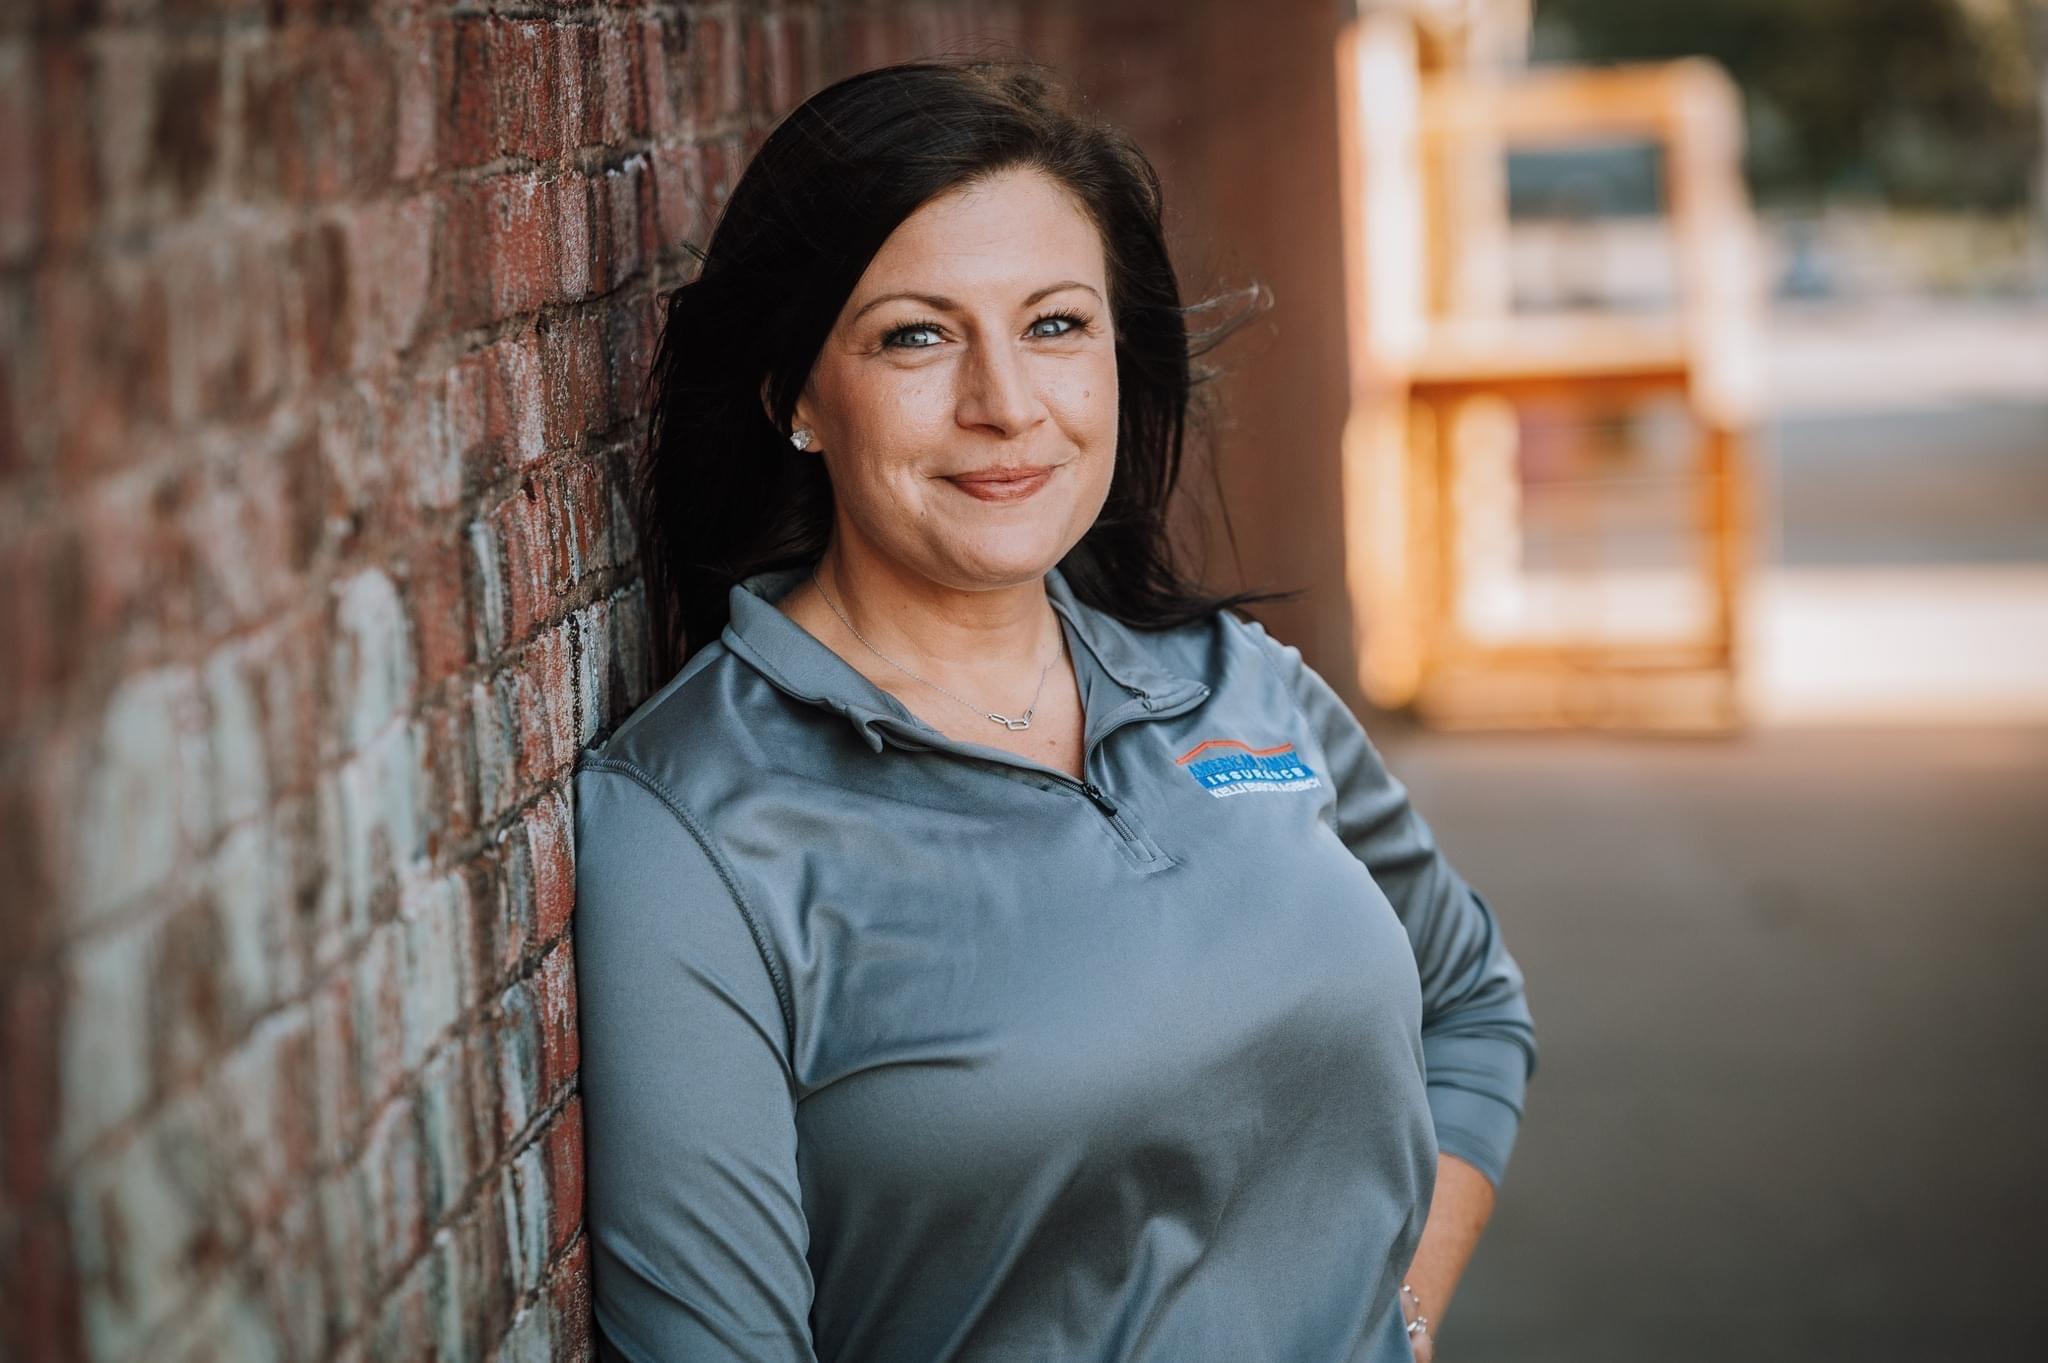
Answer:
(1003, 484)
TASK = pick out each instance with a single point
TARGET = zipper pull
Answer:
(1101, 797)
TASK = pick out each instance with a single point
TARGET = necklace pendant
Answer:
(1013, 724)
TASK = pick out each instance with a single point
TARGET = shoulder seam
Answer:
(634, 772)
(1293, 696)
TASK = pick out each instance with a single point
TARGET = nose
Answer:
(997, 391)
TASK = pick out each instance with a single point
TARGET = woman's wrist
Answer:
(1417, 1323)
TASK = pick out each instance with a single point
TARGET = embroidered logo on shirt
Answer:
(1226, 766)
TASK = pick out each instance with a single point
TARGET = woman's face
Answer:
(965, 403)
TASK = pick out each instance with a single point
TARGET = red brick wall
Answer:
(322, 329)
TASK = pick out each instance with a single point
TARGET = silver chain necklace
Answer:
(1022, 721)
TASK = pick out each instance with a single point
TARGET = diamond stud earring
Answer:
(801, 438)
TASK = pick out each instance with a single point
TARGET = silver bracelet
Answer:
(1420, 1325)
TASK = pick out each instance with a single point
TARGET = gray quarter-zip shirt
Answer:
(899, 1049)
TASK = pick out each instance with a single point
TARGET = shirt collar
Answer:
(799, 663)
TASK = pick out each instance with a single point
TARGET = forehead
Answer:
(1017, 229)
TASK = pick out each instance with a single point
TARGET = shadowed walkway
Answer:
(1792, 997)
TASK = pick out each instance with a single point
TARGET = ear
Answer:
(799, 419)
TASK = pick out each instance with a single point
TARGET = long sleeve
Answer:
(1478, 1039)
(695, 1218)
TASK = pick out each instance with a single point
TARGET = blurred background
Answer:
(1651, 406)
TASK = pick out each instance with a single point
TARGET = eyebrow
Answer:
(944, 304)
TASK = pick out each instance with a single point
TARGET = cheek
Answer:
(888, 412)
(1089, 397)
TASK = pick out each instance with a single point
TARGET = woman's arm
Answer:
(1457, 1214)
(1478, 1039)
(692, 1200)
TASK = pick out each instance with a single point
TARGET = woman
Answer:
(988, 946)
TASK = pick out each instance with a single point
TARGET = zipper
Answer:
(1148, 706)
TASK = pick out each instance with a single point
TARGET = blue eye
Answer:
(892, 338)
(1069, 322)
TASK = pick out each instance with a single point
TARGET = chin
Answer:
(1006, 561)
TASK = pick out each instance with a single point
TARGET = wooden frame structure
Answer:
(1435, 344)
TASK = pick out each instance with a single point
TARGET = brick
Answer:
(515, 400)
(240, 529)
(614, 103)
(318, 315)
(389, 1182)
(520, 551)
(259, 1123)
(437, 608)
(523, 1189)
(185, 126)
(422, 55)
(378, 1022)
(105, 1040)
(435, 987)
(260, 958)
(521, 260)
(581, 71)
(319, 115)
(555, 988)
(102, 354)
(448, 779)
(479, 1044)
(142, 1238)
(335, 915)
(717, 79)
(530, 1339)
(231, 1320)
(519, 1064)
(630, 325)
(124, 67)
(550, 859)
(680, 198)
(286, 663)
(497, 747)
(42, 584)
(68, 168)
(448, 1133)
(189, 1017)
(532, 82)
(373, 670)
(389, 249)
(619, 236)
(574, 231)
(468, 136)
(564, 1146)
(495, 257)
(29, 1030)
(501, 899)
(544, 708)
(40, 1311)
(346, 1250)
(227, 310)
(405, 1316)
(465, 397)
(289, 1261)
(20, 191)
(594, 671)
(575, 384)
(36, 800)
(569, 1301)
(337, 1075)
(427, 466)
(144, 785)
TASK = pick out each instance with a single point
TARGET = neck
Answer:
(981, 637)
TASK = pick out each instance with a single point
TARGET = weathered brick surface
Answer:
(323, 329)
